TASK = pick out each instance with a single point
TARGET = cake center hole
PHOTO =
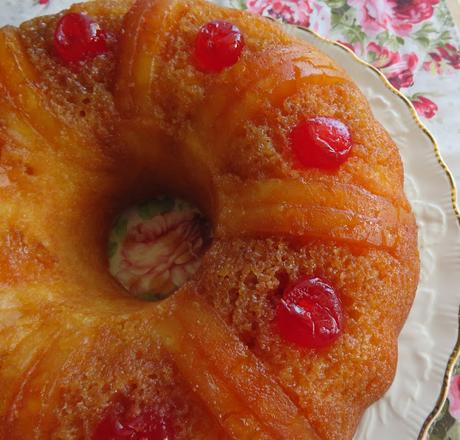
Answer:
(156, 247)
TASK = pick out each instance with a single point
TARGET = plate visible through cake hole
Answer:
(156, 247)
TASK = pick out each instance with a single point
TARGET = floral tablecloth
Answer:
(417, 46)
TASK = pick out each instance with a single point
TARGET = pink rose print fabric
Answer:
(376, 16)
(424, 106)
(454, 397)
(408, 40)
(399, 69)
(309, 13)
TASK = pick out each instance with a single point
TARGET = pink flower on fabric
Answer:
(320, 18)
(291, 11)
(454, 397)
(434, 63)
(396, 16)
(346, 44)
(399, 69)
(382, 57)
(425, 107)
(451, 54)
(445, 57)
(374, 16)
(309, 13)
(414, 11)
(357, 48)
(161, 254)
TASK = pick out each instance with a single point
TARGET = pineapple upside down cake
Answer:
(288, 330)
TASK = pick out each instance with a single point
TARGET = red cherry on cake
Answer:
(147, 426)
(78, 38)
(310, 313)
(321, 142)
(218, 45)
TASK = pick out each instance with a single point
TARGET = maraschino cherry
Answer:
(148, 425)
(310, 313)
(78, 38)
(321, 142)
(218, 45)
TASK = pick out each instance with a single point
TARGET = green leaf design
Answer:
(352, 32)
(371, 57)
(457, 367)
(337, 4)
(454, 432)
(336, 19)
(430, 37)
(239, 4)
(443, 16)
(417, 95)
(119, 229)
(443, 424)
(112, 248)
(155, 207)
(423, 40)
(443, 38)
(389, 40)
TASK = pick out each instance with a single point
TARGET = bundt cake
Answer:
(289, 328)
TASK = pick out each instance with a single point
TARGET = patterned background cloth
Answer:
(417, 46)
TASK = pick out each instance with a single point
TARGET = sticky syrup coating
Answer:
(79, 144)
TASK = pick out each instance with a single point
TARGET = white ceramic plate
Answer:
(429, 336)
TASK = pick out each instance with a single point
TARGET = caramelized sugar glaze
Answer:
(81, 141)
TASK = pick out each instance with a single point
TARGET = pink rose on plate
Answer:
(454, 397)
(425, 107)
(399, 69)
(309, 13)
(159, 255)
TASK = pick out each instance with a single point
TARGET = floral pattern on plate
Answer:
(157, 247)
